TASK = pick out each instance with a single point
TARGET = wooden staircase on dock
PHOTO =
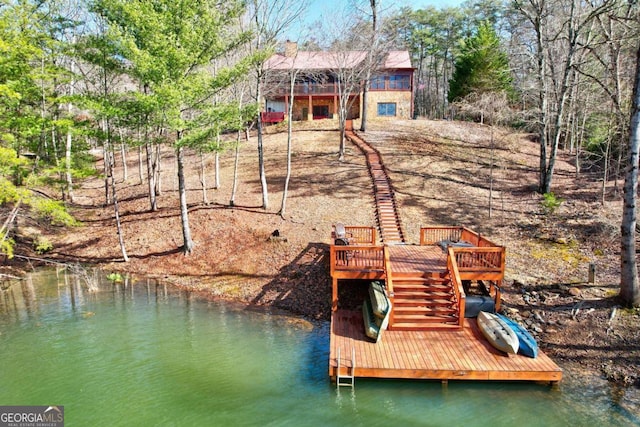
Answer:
(424, 303)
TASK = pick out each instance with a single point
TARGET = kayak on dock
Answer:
(498, 332)
(527, 344)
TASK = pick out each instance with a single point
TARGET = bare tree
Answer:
(558, 44)
(629, 285)
(492, 108)
(270, 18)
(293, 73)
(370, 58)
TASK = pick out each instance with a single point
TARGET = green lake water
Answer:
(151, 355)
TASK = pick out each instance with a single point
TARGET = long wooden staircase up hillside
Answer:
(387, 215)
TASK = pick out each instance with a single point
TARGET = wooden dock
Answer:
(443, 355)
(428, 335)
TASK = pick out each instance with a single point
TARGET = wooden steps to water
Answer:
(419, 303)
(424, 303)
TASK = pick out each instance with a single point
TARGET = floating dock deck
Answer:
(443, 355)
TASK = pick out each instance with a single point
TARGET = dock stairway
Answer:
(422, 303)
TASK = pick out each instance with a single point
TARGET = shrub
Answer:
(53, 211)
(42, 245)
(115, 277)
(550, 203)
(6, 247)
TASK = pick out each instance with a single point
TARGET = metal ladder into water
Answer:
(348, 379)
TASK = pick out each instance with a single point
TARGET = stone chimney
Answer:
(290, 49)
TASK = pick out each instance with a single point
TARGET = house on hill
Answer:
(316, 92)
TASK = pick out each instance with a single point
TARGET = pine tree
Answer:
(481, 67)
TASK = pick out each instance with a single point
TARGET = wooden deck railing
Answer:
(389, 281)
(271, 117)
(365, 258)
(484, 261)
(478, 263)
(456, 283)
(435, 235)
(359, 235)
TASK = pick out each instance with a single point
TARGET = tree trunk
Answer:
(216, 185)
(105, 161)
(140, 177)
(285, 192)
(158, 170)
(259, 75)
(187, 247)
(374, 38)
(67, 153)
(123, 154)
(234, 188)
(629, 286)
(261, 172)
(116, 210)
(151, 178)
(342, 139)
(365, 100)
(203, 179)
(67, 162)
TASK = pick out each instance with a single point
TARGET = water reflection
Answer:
(151, 354)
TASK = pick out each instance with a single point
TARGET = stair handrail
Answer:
(389, 279)
(456, 283)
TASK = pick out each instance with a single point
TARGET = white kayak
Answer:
(498, 333)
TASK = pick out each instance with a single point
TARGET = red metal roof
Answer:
(398, 59)
(319, 60)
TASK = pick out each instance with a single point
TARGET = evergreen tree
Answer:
(481, 67)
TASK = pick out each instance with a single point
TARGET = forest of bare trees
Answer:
(133, 76)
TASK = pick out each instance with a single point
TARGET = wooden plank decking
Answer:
(432, 355)
(413, 259)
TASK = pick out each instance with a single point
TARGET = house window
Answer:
(387, 109)
(377, 83)
(399, 82)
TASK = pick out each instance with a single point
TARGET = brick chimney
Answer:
(290, 49)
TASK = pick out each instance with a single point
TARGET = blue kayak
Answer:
(528, 344)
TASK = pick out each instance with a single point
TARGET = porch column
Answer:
(310, 111)
(413, 94)
(286, 106)
(335, 106)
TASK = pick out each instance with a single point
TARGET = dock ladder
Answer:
(348, 379)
